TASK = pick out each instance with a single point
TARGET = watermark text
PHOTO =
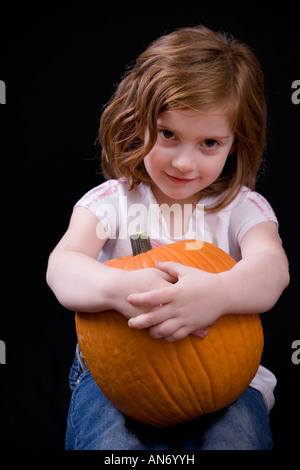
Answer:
(2, 92)
(296, 94)
(2, 352)
(296, 354)
(151, 459)
(160, 222)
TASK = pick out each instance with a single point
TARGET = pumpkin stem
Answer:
(140, 243)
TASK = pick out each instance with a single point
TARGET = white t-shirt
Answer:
(123, 212)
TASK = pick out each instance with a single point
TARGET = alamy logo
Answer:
(296, 94)
(2, 92)
(296, 354)
(161, 222)
(2, 352)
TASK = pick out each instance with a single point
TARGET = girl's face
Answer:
(189, 154)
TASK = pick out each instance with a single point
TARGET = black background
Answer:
(60, 62)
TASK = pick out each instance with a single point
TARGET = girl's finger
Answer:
(152, 298)
(148, 320)
(170, 267)
(202, 332)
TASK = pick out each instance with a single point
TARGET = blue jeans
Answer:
(95, 424)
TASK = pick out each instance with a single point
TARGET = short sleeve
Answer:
(103, 201)
(250, 209)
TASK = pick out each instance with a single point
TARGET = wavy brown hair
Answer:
(190, 68)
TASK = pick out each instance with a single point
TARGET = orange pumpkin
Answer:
(163, 383)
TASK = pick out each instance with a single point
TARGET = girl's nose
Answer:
(184, 161)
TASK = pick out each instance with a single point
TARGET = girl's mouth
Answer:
(179, 180)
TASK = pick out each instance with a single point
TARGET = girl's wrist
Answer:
(226, 294)
(116, 290)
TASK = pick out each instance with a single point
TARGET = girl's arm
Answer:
(198, 299)
(81, 283)
(261, 275)
(74, 274)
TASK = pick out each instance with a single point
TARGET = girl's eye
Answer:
(168, 135)
(210, 143)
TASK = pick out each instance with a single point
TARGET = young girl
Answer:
(185, 129)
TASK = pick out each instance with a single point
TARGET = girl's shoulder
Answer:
(100, 193)
(245, 199)
(110, 192)
(254, 202)
(249, 208)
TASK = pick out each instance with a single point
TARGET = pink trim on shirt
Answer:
(108, 192)
(260, 208)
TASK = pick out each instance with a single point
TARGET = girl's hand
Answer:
(187, 306)
(137, 282)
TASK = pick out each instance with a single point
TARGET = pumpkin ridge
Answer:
(187, 379)
(256, 325)
(229, 368)
(215, 253)
(206, 372)
(209, 258)
(131, 408)
(252, 319)
(191, 391)
(189, 254)
(225, 361)
(156, 409)
(152, 406)
(245, 338)
(110, 393)
(168, 392)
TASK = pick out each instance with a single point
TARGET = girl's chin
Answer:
(170, 195)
